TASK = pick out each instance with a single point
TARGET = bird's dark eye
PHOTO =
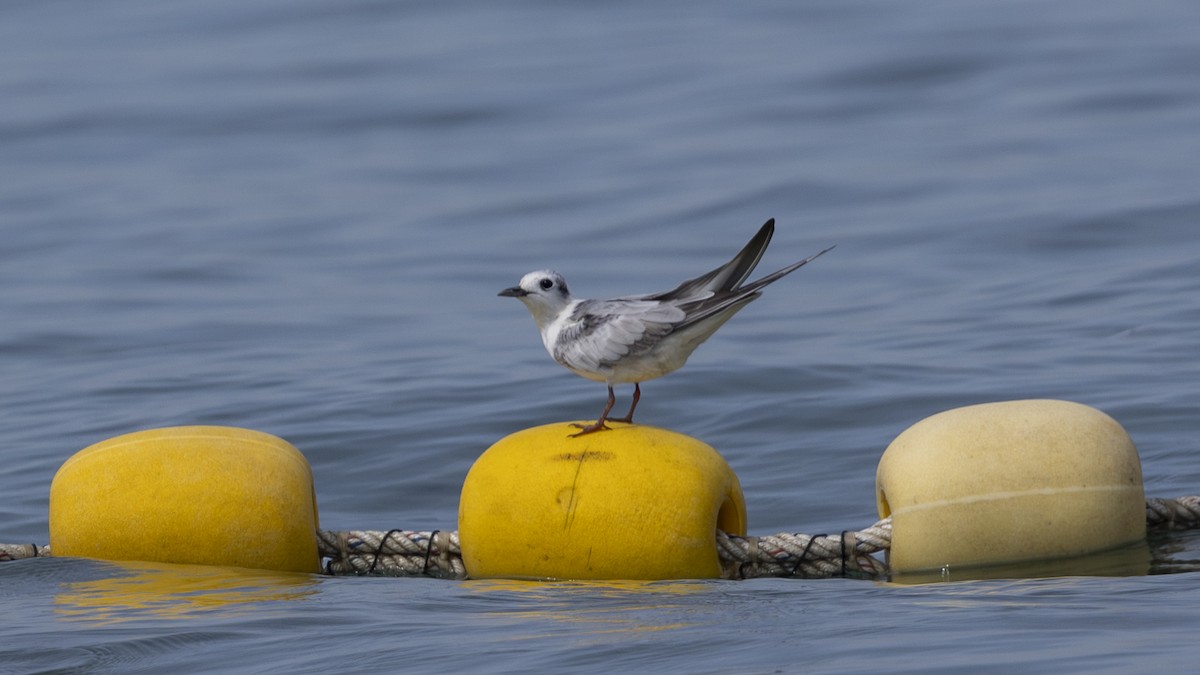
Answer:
(546, 284)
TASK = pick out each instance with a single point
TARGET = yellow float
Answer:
(633, 502)
(200, 494)
(1009, 482)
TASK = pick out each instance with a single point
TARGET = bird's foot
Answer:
(589, 428)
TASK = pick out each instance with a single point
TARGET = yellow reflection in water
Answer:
(157, 590)
(1132, 560)
(611, 588)
(608, 607)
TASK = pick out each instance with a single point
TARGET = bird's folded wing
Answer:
(601, 332)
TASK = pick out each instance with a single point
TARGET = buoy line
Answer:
(847, 554)
(1180, 513)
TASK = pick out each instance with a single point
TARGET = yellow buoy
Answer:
(634, 502)
(1009, 482)
(201, 494)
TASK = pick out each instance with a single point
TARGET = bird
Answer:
(631, 339)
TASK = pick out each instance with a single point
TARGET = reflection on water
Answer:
(604, 588)
(593, 607)
(1174, 552)
(138, 591)
(1127, 561)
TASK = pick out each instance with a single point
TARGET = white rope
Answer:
(1181, 513)
(395, 553)
(19, 551)
(806, 556)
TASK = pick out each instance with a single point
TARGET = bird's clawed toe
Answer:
(599, 425)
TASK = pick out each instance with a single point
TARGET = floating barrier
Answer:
(848, 554)
(970, 488)
(402, 553)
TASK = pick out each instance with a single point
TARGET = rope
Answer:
(849, 554)
(803, 556)
(19, 551)
(1181, 513)
(395, 553)
(408, 553)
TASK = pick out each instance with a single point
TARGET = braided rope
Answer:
(395, 553)
(847, 554)
(805, 556)
(19, 551)
(1181, 513)
(408, 553)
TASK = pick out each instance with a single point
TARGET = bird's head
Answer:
(545, 294)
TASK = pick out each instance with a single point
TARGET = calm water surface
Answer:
(295, 216)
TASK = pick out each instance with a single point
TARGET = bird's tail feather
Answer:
(775, 276)
(729, 276)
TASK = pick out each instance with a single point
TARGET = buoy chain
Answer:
(806, 556)
(1181, 513)
(392, 553)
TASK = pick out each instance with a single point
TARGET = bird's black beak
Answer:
(514, 292)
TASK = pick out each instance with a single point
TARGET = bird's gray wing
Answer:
(601, 332)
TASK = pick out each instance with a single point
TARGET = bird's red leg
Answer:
(637, 394)
(599, 425)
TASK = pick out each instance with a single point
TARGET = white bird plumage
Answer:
(637, 338)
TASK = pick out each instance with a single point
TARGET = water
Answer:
(294, 217)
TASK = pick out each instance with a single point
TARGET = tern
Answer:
(636, 338)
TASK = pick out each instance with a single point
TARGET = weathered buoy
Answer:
(1009, 482)
(199, 494)
(634, 502)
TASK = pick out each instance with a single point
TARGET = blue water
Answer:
(295, 216)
